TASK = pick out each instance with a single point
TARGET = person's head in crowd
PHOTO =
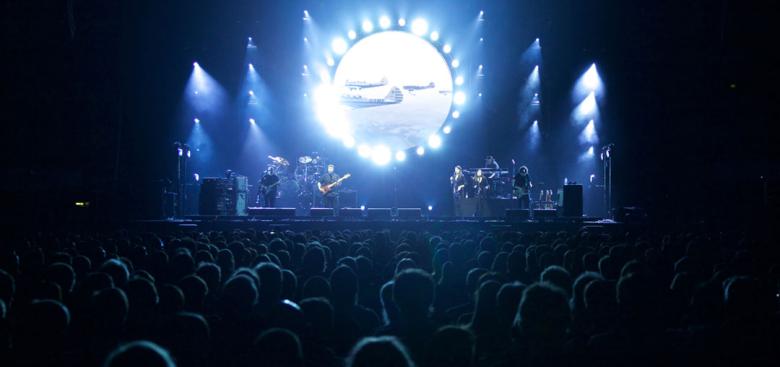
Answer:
(413, 293)
(277, 347)
(239, 295)
(142, 296)
(63, 275)
(508, 300)
(270, 287)
(139, 353)
(451, 346)
(195, 291)
(211, 274)
(171, 299)
(543, 315)
(485, 317)
(557, 276)
(110, 308)
(289, 284)
(389, 309)
(7, 287)
(318, 314)
(344, 285)
(117, 270)
(383, 351)
(316, 286)
(313, 262)
(578, 290)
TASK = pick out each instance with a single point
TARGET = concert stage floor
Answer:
(206, 223)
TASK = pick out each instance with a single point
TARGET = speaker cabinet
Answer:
(409, 213)
(379, 213)
(321, 212)
(572, 200)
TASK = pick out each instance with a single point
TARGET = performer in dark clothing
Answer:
(522, 187)
(481, 189)
(329, 187)
(268, 188)
(458, 182)
(459, 189)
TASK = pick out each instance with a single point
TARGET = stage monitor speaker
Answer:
(321, 212)
(545, 213)
(409, 213)
(272, 212)
(517, 215)
(379, 213)
(352, 213)
(572, 200)
(348, 198)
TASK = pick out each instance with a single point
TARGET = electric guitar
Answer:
(324, 189)
(265, 188)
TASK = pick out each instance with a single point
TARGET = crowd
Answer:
(380, 298)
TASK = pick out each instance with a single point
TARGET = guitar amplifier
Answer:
(572, 200)
(214, 198)
(348, 198)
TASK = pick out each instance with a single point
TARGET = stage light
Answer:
(251, 67)
(349, 142)
(587, 107)
(456, 114)
(381, 155)
(459, 98)
(481, 39)
(434, 141)
(324, 76)
(401, 22)
(400, 156)
(252, 121)
(479, 94)
(351, 34)
(306, 39)
(196, 177)
(588, 134)
(180, 151)
(363, 207)
(338, 45)
(306, 15)
(592, 177)
(329, 60)
(591, 79)
(420, 151)
(447, 48)
(455, 63)
(384, 22)
(251, 93)
(430, 208)
(189, 153)
(367, 26)
(196, 120)
(364, 151)
(459, 80)
(447, 129)
(537, 41)
(434, 36)
(419, 26)
(590, 151)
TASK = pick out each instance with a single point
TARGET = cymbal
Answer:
(304, 159)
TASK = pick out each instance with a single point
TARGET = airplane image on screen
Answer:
(358, 84)
(393, 96)
(419, 87)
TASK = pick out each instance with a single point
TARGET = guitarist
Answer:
(330, 198)
(269, 186)
(522, 187)
(458, 182)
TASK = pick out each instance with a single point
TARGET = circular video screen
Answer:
(394, 88)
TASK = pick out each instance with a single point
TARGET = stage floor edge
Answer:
(207, 223)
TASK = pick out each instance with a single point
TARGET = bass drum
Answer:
(287, 195)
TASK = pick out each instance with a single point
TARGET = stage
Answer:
(300, 223)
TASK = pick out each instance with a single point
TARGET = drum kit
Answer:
(297, 185)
